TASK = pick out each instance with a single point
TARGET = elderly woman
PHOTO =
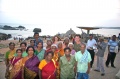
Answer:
(60, 48)
(100, 55)
(71, 46)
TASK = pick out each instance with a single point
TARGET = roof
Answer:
(93, 28)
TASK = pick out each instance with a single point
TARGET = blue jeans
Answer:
(82, 75)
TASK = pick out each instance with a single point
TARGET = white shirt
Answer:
(91, 43)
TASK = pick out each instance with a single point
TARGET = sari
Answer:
(16, 71)
(47, 69)
(40, 54)
(31, 67)
(56, 60)
(8, 56)
(61, 51)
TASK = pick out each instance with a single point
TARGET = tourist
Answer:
(30, 64)
(83, 59)
(91, 43)
(37, 39)
(23, 46)
(71, 46)
(47, 67)
(67, 65)
(16, 66)
(60, 48)
(111, 51)
(56, 39)
(40, 52)
(77, 42)
(8, 56)
(100, 56)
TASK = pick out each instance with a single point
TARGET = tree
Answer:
(37, 30)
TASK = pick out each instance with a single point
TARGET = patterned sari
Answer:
(31, 67)
(48, 70)
(8, 56)
(16, 71)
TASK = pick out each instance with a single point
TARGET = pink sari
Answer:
(16, 71)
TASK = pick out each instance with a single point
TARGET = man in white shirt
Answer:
(91, 44)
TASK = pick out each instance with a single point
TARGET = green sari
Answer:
(40, 54)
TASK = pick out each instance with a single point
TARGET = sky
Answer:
(55, 16)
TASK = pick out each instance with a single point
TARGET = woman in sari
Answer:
(40, 52)
(56, 58)
(8, 56)
(30, 64)
(47, 67)
(60, 48)
(16, 64)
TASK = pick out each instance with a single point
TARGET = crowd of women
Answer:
(58, 60)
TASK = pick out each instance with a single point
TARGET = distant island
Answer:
(7, 27)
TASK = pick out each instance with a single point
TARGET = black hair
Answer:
(91, 35)
(30, 47)
(40, 42)
(50, 52)
(67, 48)
(114, 35)
(18, 50)
(32, 40)
(11, 43)
(78, 35)
(36, 33)
(23, 43)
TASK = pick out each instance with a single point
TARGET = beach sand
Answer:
(110, 72)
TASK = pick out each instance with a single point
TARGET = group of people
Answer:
(58, 59)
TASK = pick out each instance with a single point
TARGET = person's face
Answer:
(90, 37)
(30, 51)
(49, 56)
(36, 36)
(60, 45)
(19, 53)
(56, 38)
(71, 46)
(67, 53)
(77, 38)
(39, 45)
(49, 43)
(12, 47)
(53, 48)
(82, 48)
(66, 41)
(114, 38)
(32, 43)
(23, 47)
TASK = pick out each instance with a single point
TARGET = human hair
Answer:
(67, 48)
(32, 40)
(49, 40)
(40, 42)
(70, 44)
(78, 35)
(29, 48)
(11, 43)
(83, 44)
(53, 39)
(114, 36)
(36, 33)
(23, 43)
(50, 52)
(91, 35)
(18, 50)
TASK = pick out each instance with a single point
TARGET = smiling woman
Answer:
(59, 13)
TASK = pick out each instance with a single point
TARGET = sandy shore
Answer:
(110, 72)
